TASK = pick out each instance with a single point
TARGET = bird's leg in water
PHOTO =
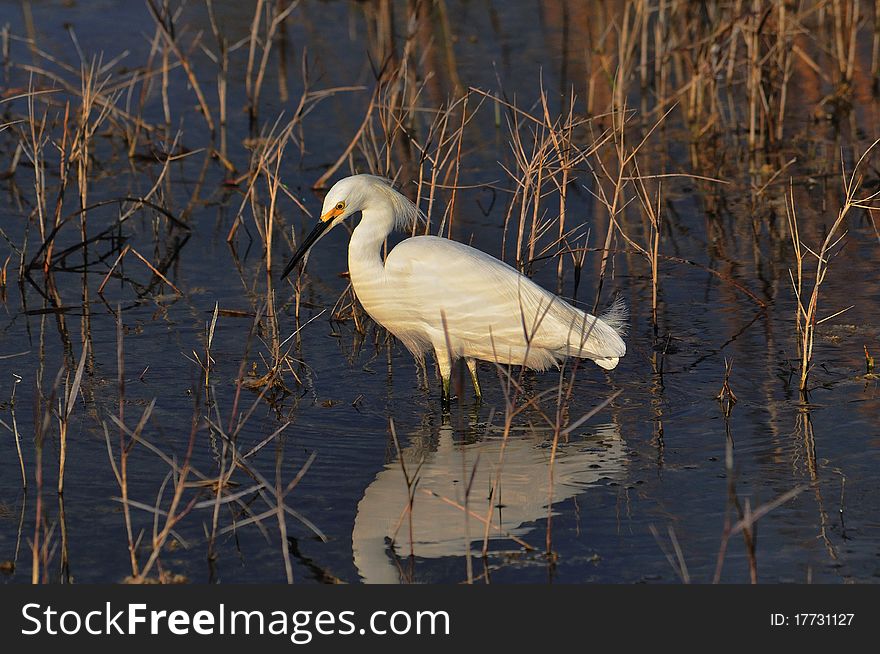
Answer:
(472, 368)
(444, 362)
(446, 397)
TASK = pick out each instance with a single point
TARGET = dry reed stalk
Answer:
(807, 441)
(731, 479)
(678, 563)
(222, 485)
(3, 282)
(173, 516)
(845, 16)
(65, 410)
(146, 262)
(252, 50)
(875, 49)
(63, 169)
(746, 525)
(42, 531)
(563, 145)
(272, 494)
(34, 139)
(15, 433)
(274, 18)
(651, 208)
(545, 156)
(615, 200)
(439, 153)
(511, 390)
(806, 316)
(489, 524)
(451, 205)
(122, 474)
(160, 19)
(560, 429)
(80, 150)
(282, 524)
(412, 482)
(266, 159)
(222, 60)
(726, 397)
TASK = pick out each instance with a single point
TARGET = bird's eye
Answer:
(340, 206)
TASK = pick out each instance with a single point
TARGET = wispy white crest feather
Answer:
(406, 213)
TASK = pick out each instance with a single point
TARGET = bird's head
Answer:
(349, 196)
(346, 197)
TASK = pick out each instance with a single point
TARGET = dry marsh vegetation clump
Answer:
(104, 198)
(807, 315)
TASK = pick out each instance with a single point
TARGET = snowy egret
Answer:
(436, 294)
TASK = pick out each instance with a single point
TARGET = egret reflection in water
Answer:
(439, 528)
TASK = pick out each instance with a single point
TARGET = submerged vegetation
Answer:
(161, 391)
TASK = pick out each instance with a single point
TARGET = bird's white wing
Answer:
(491, 310)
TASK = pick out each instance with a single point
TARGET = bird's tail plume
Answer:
(617, 316)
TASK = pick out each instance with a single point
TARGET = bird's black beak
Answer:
(319, 230)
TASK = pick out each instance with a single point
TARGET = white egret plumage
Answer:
(436, 294)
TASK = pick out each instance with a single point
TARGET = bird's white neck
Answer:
(365, 263)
